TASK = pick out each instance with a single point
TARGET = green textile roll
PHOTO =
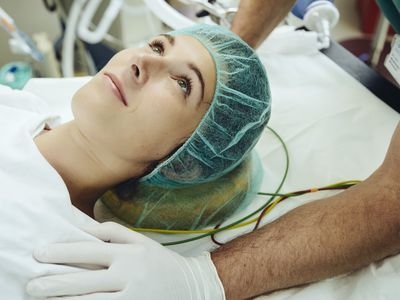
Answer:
(188, 208)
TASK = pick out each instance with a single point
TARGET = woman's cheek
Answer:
(164, 94)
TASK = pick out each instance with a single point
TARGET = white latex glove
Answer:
(134, 267)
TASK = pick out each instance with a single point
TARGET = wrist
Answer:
(205, 275)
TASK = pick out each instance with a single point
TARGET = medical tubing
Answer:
(268, 209)
(109, 16)
(298, 193)
(212, 236)
(339, 185)
(83, 24)
(251, 214)
(51, 7)
(67, 61)
(270, 206)
(265, 208)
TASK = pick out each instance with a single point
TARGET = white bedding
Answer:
(35, 205)
(335, 130)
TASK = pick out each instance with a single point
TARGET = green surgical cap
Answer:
(231, 127)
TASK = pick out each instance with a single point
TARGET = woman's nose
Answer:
(145, 66)
(137, 73)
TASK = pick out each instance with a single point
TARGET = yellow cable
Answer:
(270, 207)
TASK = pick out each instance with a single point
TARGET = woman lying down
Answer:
(185, 109)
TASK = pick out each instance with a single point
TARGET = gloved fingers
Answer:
(97, 296)
(114, 233)
(88, 253)
(73, 284)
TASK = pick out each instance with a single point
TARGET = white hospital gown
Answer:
(35, 208)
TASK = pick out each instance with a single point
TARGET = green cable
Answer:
(251, 214)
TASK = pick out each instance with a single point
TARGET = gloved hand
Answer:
(134, 267)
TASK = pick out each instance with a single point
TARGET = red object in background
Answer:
(369, 15)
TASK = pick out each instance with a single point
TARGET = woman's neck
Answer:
(86, 169)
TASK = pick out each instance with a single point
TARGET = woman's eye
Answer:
(157, 50)
(184, 85)
(157, 47)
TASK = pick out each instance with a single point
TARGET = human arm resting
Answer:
(256, 19)
(318, 240)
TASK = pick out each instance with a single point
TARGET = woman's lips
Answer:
(116, 87)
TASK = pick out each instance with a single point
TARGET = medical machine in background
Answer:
(19, 42)
(87, 36)
(16, 74)
(179, 14)
(81, 13)
(319, 16)
(79, 18)
(88, 40)
(38, 54)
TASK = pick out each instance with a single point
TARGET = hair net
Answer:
(232, 125)
(141, 205)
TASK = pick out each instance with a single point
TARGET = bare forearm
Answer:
(316, 241)
(257, 18)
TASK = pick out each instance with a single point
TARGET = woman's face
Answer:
(147, 101)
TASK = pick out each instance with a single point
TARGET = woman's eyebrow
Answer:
(169, 37)
(194, 68)
(199, 76)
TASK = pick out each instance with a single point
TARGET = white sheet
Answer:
(335, 130)
(35, 205)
